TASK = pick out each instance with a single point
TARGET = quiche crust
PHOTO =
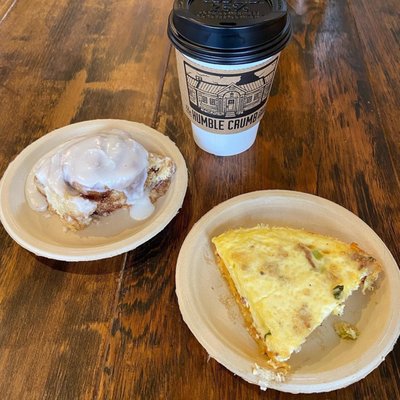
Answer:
(287, 281)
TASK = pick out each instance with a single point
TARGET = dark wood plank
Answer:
(55, 322)
(378, 25)
(79, 60)
(319, 136)
(112, 329)
(379, 29)
(337, 102)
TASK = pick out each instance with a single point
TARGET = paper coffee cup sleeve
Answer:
(225, 101)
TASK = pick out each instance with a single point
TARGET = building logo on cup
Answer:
(227, 101)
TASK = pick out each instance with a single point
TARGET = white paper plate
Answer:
(325, 362)
(112, 235)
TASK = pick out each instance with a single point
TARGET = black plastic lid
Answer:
(229, 31)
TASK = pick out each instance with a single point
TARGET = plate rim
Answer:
(99, 251)
(284, 386)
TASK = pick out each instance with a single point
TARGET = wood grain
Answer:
(112, 329)
(57, 317)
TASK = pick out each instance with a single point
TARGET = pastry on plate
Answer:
(96, 174)
(287, 281)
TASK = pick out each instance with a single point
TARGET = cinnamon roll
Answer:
(95, 174)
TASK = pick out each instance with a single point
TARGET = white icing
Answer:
(97, 162)
(107, 161)
(142, 208)
(35, 199)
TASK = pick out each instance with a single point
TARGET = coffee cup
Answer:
(227, 52)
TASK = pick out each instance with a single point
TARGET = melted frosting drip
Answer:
(93, 163)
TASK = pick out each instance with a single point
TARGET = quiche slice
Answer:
(287, 281)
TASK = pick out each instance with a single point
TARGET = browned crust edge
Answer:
(276, 366)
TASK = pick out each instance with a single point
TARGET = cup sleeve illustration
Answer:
(226, 101)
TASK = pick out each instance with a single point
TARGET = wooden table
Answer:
(112, 329)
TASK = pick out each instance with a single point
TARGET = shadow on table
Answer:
(100, 267)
